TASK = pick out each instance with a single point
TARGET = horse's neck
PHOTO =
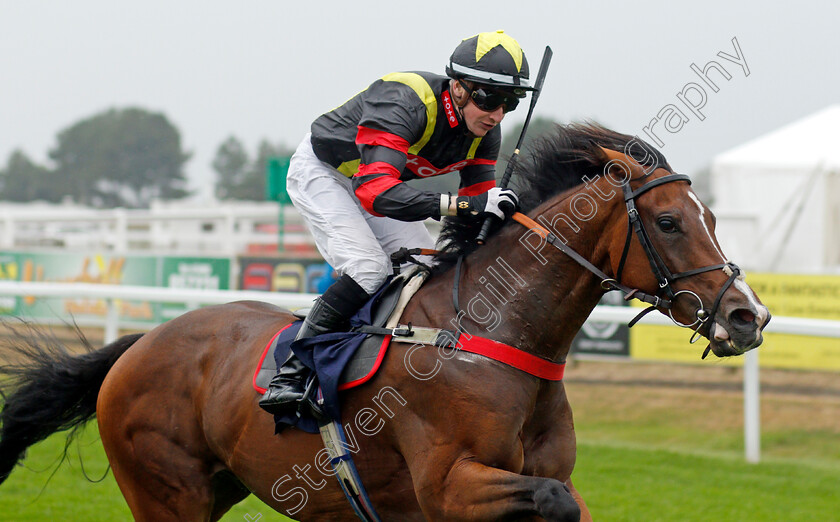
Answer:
(536, 298)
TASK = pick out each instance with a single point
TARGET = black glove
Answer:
(497, 201)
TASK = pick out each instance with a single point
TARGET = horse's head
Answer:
(628, 220)
(665, 245)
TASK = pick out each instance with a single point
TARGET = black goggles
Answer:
(489, 99)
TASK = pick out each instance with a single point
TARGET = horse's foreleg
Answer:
(474, 491)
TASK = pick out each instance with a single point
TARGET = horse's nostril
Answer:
(742, 316)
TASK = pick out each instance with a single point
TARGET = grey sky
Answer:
(264, 69)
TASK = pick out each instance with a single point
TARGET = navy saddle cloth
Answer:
(338, 357)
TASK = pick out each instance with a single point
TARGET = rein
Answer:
(660, 270)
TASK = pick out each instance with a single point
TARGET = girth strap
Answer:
(514, 357)
(449, 339)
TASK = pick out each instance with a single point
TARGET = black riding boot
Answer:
(330, 312)
(285, 388)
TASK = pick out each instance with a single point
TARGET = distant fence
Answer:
(220, 228)
(111, 295)
(226, 228)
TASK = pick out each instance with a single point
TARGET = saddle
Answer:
(359, 352)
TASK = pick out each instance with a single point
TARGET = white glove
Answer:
(497, 201)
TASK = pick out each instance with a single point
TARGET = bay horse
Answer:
(437, 435)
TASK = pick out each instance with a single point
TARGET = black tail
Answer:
(46, 389)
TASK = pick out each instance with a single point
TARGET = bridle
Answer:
(663, 275)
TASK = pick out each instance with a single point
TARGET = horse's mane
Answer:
(554, 163)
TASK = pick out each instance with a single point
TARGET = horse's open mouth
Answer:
(725, 348)
(723, 345)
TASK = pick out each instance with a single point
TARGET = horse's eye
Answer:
(667, 225)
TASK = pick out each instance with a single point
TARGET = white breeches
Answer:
(353, 241)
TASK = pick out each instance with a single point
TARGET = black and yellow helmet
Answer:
(491, 59)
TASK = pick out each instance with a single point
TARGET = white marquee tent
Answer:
(777, 197)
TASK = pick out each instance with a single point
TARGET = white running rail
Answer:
(614, 314)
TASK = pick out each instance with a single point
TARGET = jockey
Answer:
(346, 177)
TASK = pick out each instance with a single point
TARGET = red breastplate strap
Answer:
(536, 366)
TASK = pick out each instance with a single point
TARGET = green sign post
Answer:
(277, 169)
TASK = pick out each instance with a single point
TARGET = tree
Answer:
(231, 165)
(237, 177)
(121, 158)
(257, 171)
(23, 180)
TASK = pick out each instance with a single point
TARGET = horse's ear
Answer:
(598, 154)
(607, 155)
(603, 155)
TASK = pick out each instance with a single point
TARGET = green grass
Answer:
(630, 484)
(619, 482)
(687, 421)
(671, 454)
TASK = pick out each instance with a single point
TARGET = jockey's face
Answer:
(479, 122)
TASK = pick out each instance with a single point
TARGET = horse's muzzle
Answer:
(739, 331)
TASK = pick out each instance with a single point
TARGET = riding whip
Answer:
(546, 59)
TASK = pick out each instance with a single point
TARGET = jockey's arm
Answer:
(477, 179)
(379, 189)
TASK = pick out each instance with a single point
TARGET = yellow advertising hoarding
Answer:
(812, 296)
